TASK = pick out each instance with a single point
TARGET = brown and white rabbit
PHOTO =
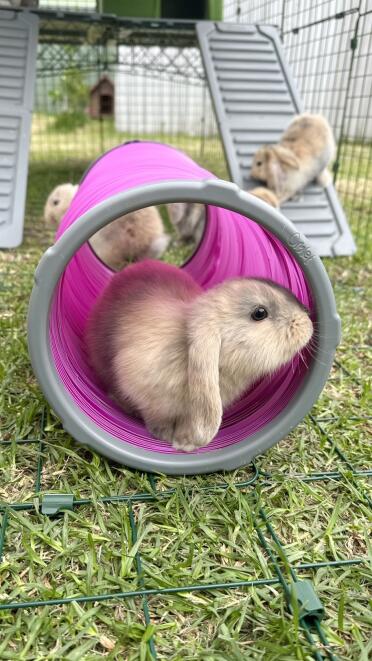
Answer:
(302, 155)
(136, 235)
(266, 195)
(177, 356)
(188, 218)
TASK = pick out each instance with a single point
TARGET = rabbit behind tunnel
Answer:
(131, 237)
(177, 356)
(302, 155)
(134, 236)
(188, 219)
(58, 202)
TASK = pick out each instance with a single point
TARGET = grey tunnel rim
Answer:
(217, 193)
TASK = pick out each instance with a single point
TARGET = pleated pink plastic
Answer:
(233, 245)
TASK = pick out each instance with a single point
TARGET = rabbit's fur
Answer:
(177, 356)
(135, 236)
(266, 195)
(302, 155)
(188, 218)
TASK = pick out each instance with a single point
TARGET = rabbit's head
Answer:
(58, 202)
(271, 165)
(255, 322)
(238, 333)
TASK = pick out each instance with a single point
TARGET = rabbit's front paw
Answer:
(186, 443)
(187, 438)
(182, 434)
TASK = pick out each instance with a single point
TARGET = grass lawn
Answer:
(303, 506)
(96, 137)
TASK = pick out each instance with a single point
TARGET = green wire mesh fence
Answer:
(299, 593)
(328, 47)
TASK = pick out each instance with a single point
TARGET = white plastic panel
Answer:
(18, 49)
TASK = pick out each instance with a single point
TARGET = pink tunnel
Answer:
(232, 245)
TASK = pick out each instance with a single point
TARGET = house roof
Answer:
(103, 79)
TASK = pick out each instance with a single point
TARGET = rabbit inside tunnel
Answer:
(301, 156)
(205, 348)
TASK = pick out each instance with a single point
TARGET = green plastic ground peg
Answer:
(53, 503)
(310, 606)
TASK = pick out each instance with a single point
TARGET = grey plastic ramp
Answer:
(18, 48)
(255, 99)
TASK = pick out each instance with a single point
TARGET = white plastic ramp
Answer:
(18, 49)
(255, 99)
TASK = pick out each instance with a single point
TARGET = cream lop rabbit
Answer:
(131, 237)
(302, 155)
(177, 356)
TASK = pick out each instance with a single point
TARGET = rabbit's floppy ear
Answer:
(275, 174)
(286, 156)
(203, 377)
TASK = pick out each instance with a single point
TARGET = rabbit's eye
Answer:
(259, 314)
(258, 162)
(55, 202)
